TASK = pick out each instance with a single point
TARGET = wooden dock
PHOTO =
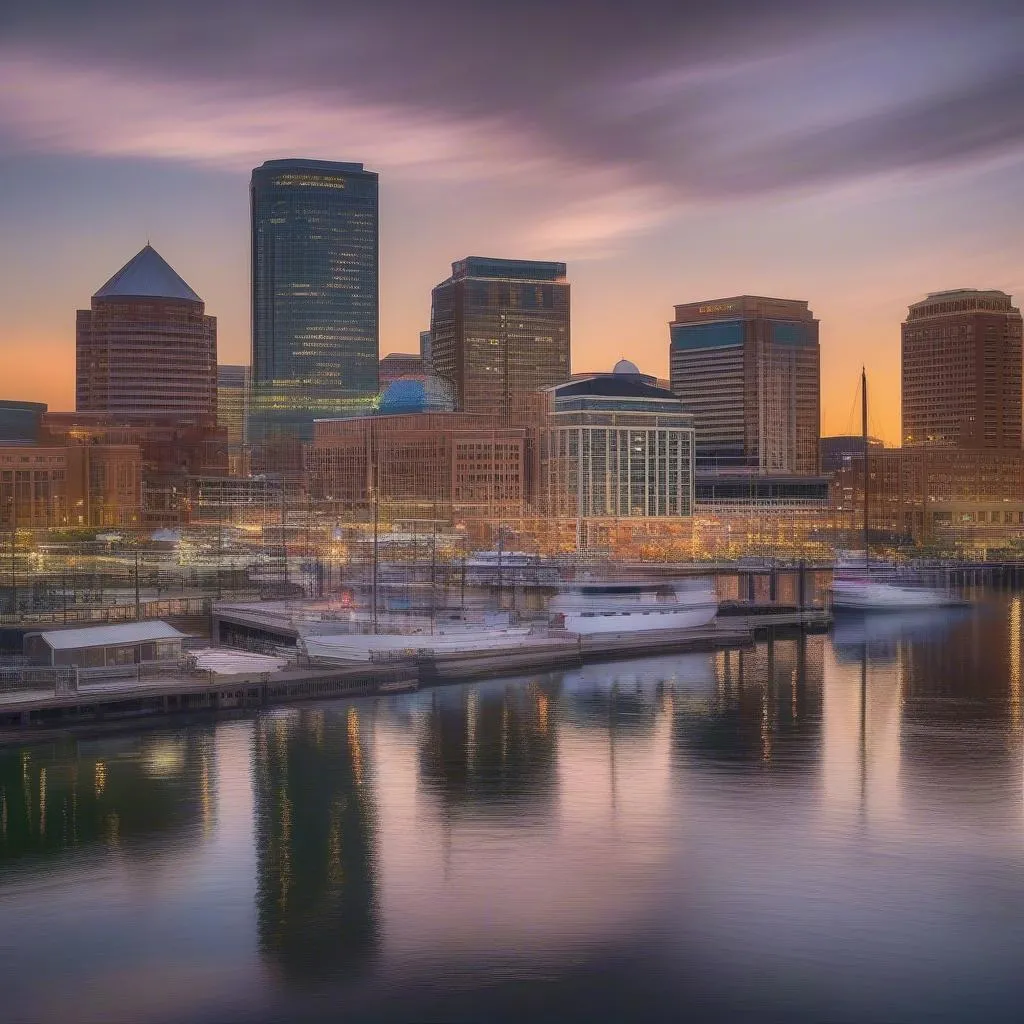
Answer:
(29, 712)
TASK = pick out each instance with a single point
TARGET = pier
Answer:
(68, 700)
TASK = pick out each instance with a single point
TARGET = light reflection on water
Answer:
(816, 827)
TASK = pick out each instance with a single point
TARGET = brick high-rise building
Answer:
(499, 331)
(748, 368)
(962, 362)
(146, 346)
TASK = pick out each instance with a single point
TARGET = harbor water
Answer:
(818, 827)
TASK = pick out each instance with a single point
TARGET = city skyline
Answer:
(665, 157)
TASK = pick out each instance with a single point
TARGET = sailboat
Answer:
(856, 585)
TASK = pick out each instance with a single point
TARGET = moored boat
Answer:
(630, 607)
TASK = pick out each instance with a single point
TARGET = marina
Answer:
(677, 827)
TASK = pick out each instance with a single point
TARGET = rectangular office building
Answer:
(499, 332)
(748, 368)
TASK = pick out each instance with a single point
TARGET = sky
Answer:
(856, 155)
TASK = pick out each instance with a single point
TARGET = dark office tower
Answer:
(748, 369)
(314, 293)
(499, 331)
(425, 350)
(962, 361)
(146, 346)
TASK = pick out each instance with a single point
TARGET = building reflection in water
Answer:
(764, 711)
(136, 794)
(490, 746)
(315, 841)
(960, 725)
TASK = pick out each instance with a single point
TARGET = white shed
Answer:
(129, 643)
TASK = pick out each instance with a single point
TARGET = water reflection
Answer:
(765, 712)
(884, 634)
(489, 746)
(845, 809)
(315, 842)
(133, 794)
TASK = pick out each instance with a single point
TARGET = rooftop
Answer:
(330, 166)
(961, 300)
(109, 636)
(614, 385)
(500, 269)
(147, 275)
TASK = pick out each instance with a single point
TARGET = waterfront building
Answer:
(961, 370)
(107, 646)
(74, 485)
(499, 331)
(615, 445)
(756, 492)
(171, 448)
(236, 500)
(748, 368)
(21, 421)
(315, 317)
(843, 450)
(425, 351)
(146, 346)
(946, 496)
(415, 452)
(399, 364)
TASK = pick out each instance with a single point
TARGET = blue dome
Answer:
(415, 394)
(625, 368)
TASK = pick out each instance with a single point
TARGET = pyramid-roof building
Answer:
(147, 275)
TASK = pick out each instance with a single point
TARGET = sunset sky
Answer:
(856, 155)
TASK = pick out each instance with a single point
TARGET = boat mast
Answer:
(867, 474)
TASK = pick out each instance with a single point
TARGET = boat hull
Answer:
(648, 620)
(886, 597)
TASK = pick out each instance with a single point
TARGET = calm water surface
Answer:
(830, 827)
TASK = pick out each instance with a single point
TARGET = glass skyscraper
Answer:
(315, 331)
(499, 332)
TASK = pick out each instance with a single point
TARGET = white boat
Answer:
(625, 607)
(859, 586)
(866, 592)
(390, 646)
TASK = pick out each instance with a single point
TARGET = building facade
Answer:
(315, 317)
(399, 364)
(748, 368)
(439, 465)
(932, 495)
(499, 331)
(615, 445)
(961, 371)
(425, 351)
(70, 486)
(21, 421)
(146, 346)
(232, 401)
(171, 448)
(843, 450)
